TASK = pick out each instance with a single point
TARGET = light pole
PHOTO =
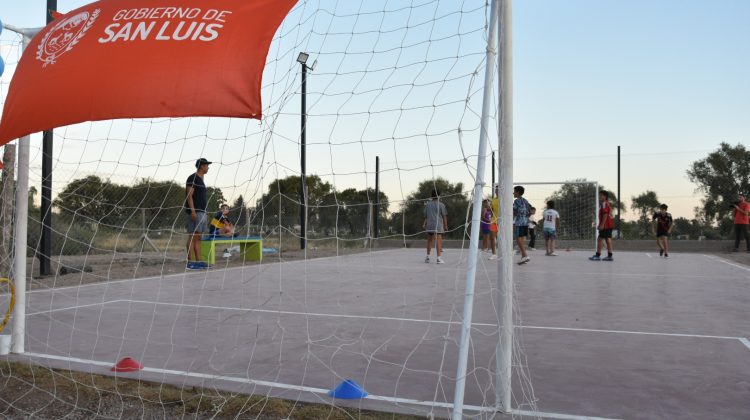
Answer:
(45, 243)
(302, 59)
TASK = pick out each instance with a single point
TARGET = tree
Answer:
(720, 177)
(412, 210)
(645, 205)
(280, 205)
(162, 202)
(349, 211)
(94, 199)
(576, 203)
(239, 212)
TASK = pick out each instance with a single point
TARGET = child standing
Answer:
(606, 225)
(521, 209)
(551, 223)
(662, 229)
(532, 229)
(435, 223)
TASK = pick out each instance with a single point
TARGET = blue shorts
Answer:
(198, 226)
(550, 233)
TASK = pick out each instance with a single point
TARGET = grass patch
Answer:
(41, 392)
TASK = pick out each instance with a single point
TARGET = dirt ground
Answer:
(43, 393)
(77, 270)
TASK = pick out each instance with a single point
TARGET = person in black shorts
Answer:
(662, 229)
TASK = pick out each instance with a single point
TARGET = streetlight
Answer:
(302, 59)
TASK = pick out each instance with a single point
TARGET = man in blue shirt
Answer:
(521, 210)
(196, 203)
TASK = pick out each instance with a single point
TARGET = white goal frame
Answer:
(596, 197)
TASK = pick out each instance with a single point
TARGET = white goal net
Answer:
(318, 295)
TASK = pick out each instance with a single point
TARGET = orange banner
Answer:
(143, 59)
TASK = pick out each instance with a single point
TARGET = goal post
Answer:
(577, 201)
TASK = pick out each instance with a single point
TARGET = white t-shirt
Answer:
(550, 218)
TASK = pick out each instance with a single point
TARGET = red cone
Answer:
(127, 364)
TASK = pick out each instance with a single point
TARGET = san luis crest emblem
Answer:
(64, 36)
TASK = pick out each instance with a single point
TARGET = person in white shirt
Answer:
(551, 224)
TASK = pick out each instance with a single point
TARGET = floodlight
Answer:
(302, 58)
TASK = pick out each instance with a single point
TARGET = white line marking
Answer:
(722, 260)
(745, 341)
(721, 337)
(279, 385)
(387, 318)
(49, 311)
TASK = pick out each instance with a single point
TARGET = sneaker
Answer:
(492, 257)
(440, 261)
(227, 254)
(595, 258)
(608, 258)
(191, 266)
(552, 254)
(201, 265)
(666, 255)
(427, 259)
(531, 249)
(524, 260)
(661, 252)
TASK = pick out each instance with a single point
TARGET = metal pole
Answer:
(377, 197)
(45, 244)
(463, 349)
(303, 163)
(493, 176)
(619, 199)
(22, 221)
(504, 295)
(596, 215)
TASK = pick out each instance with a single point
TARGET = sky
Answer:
(665, 80)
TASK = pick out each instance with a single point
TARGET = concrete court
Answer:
(642, 337)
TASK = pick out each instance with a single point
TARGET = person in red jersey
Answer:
(741, 220)
(606, 225)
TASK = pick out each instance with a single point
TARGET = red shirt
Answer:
(739, 217)
(605, 216)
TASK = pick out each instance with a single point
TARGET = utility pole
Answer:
(45, 244)
(619, 197)
(377, 197)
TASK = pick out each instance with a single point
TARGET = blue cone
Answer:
(348, 390)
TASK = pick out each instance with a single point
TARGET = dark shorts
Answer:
(520, 231)
(605, 233)
(660, 233)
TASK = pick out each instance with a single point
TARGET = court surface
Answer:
(640, 337)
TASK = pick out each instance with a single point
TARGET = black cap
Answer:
(202, 161)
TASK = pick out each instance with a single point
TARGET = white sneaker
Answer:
(553, 254)
(531, 249)
(524, 260)
(492, 257)
(227, 254)
(440, 260)
(427, 259)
